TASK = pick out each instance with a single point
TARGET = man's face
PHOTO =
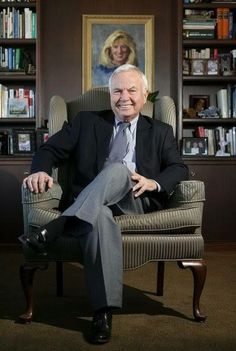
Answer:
(127, 95)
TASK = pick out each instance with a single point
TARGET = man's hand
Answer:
(143, 184)
(36, 182)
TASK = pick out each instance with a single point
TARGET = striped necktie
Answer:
(120, 143)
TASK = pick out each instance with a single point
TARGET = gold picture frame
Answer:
(97, 28)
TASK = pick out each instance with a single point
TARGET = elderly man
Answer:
(123, 163)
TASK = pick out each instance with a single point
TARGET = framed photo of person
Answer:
(110, 41)
(23, 141)
(198, 67)
(199, 103)
(195, 147)
(212, 67)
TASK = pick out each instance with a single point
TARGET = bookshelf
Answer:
(19, 74)
(200, 82)
(217, 171)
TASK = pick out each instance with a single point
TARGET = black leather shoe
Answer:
(101, 327)
(37, 241)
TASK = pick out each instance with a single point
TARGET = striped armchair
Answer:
(173, 234)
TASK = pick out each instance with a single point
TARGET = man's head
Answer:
(128, 90)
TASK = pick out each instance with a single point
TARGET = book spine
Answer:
(231, 24)
(219, 17)
(199, 34)
(225, 23)
(222, 102)
(234, 101)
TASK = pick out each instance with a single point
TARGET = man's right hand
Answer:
(36, 182)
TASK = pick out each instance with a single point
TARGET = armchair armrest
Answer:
(187, 193)
(47, 199)
(183, 215)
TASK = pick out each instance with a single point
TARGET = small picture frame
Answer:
(195, 147)
(199, 103)
(42, 136)
(224, 63)
(18, 107)
(197, 67)
(23, 141)
(212, 67)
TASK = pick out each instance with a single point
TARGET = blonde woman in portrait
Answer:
(118, 49)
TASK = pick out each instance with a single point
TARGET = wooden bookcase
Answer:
(216, 171)
(14, 167)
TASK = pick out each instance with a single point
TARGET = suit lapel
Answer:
(103, 132)
(143, 139)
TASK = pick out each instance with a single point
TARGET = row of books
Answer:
(225, 23)
(18, 23)
(199, 28)
(221, 141)
(17, 103)
(226, 101)
(199, 24)
(11, 58)
(207, 53)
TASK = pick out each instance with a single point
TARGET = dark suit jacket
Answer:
(85, 144)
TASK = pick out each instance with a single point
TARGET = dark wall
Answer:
(61, 42)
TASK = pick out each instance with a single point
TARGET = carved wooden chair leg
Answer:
(199, 271)
(59, 278)
(160, 277)
(27, 273)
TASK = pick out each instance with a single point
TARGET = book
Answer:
(219, 17)
(231, 25)
(233, 99)
(222, 102)
(200, 132)
(225, 23)
(199, 34)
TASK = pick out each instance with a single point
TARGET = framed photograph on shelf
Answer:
(23, 141)
(41, 136)
(199, 103)
(112, 40)
(198, 67)
(18, 107)
(212, 67)
(195, 146)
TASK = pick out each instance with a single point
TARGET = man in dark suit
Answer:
(105, 183)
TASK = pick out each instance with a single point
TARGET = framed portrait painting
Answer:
(110, 41)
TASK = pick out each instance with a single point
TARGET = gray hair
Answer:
(126, 68)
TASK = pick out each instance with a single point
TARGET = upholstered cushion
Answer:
(164, 235)
(137, 249)
(177, 220)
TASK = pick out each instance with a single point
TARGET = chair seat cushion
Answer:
(162, 235)
(177, 220)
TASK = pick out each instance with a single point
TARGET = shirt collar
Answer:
(133, 122)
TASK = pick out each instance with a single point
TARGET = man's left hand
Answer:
(143, 184)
